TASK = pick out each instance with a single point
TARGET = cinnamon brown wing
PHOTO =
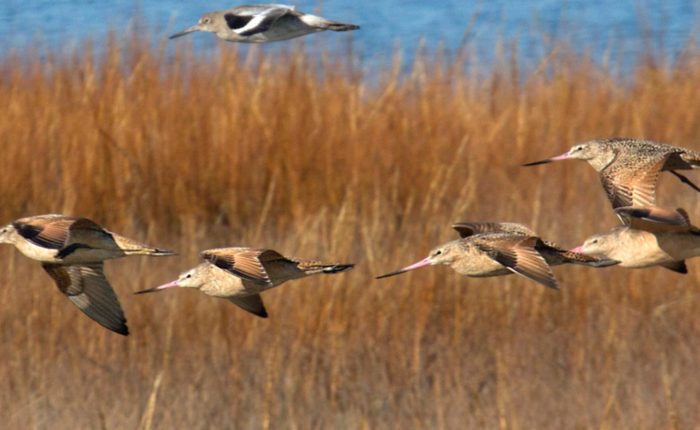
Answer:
(47, 231)
(632, 182)
(519, 255)
(246, 263)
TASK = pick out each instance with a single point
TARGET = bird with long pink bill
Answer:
(241, 274)
(493, 249)
(629, 168)
(653, 236)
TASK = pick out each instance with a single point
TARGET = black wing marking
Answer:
(236, 22)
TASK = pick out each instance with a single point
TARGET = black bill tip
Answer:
(149, 290)
(537, 163)
(387, 275)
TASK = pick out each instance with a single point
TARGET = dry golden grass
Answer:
(306, 156)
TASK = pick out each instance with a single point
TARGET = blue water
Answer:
(588, 25)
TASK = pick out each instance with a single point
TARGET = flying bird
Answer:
(494, 249)
(262, 23)
(72, 251)
(629, 168)
(241, 274)
(653, 237)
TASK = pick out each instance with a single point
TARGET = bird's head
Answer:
(7, 234)
(443, 254)
(206, 23)
(193, 278)
(595, 152)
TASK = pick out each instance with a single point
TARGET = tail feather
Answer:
(159, 252)
(337, 268)
(325, 24)
(337, 26)
(153, 252)
(133, 247)
(312, 268)
(692, 158)
(585, 259)
(556, 255)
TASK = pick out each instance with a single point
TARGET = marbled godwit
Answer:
(666, 241)
(629, 168)
(262, 23)
(241, 274)
(71, 251)
(494, 249)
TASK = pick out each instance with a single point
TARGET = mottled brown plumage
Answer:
(494, 249)
(241, 274)
(629, 168)
(653, 237)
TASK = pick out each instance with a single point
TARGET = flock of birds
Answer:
(649, 235)
(73, 250)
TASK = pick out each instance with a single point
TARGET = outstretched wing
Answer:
(87, 287)
(519, 255)
(252, 304)
(49, 231)
(632, 182)
(466, 228)
(250, 20)
(655, 219)
(246, 263)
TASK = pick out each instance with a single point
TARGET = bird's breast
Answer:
(36, 252)
(478, 264)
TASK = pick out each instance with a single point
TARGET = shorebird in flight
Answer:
(260, 23)
(241, 274)
(629, 168)
(72, 251)
(494, 249)
(654, 237)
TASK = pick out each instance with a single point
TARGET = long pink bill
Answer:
(423, 262)
(564, 156)
(577, 250)
(158, 288)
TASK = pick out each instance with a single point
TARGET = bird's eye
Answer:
(438, 252)
(595, 241)
(188, 276)
(205, 21)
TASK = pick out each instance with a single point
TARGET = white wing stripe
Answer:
(251, 24)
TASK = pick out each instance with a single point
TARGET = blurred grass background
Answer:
(308, 156)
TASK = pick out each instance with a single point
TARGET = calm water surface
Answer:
(386, 24)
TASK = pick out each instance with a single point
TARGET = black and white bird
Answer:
(262, 23)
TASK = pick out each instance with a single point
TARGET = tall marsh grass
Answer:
(307, 156)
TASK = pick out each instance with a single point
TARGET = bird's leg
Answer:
(686, 181)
